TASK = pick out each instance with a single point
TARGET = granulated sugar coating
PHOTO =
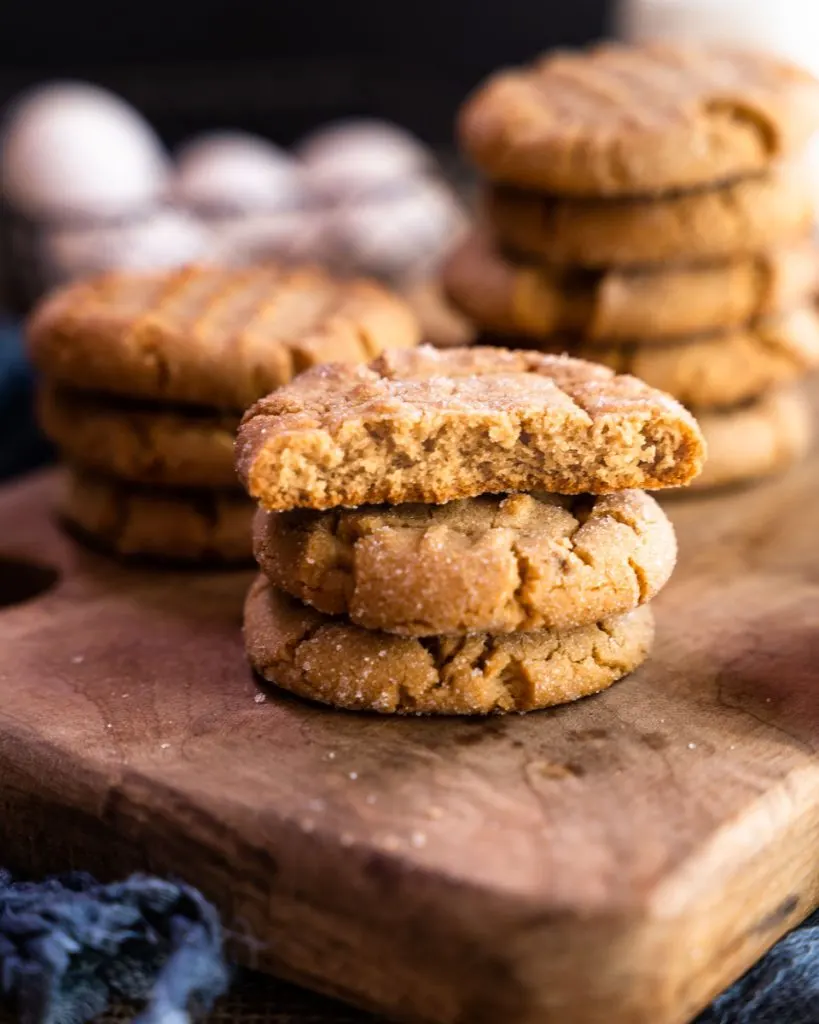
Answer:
(492, 563)
(434, 426)
(335, 662)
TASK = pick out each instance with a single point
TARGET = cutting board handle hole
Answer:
(22, 581)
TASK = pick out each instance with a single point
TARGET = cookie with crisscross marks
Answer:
(212, 336)
(433, 425)
(633, 120)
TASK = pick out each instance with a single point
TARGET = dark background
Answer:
(277, 67)
(282, 66)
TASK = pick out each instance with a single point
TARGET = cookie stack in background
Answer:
(399, 575)
(651, 208)
(145, 377)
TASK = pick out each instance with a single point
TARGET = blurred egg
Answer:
(75, 150)
(400, 235)
(296, 236)
(351, 158)
(227, 172)
(166, 238)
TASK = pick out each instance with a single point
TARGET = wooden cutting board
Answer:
(621, 859)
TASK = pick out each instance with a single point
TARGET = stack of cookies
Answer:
(650, 208)
(145, 378)
(459, 531)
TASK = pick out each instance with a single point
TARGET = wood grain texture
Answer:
(621, 859)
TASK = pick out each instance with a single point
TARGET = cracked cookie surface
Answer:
(435, 425)
(138, 442)
(162, 524)
(213, 336)
(627, 120)
(493, 564)
(739, 218)
(331, 660)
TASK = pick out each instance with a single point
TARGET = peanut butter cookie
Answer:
(631, 120)
(490, 564)
(434, 425)
(738, 219)
(173, 526)
(758, 439)
(140, 442)
(333, 661)
(715, 369)
(652, 303)
(441, 324)
(211, 336)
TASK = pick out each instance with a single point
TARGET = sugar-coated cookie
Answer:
(434, 425)
(331, 660)
(490, 564)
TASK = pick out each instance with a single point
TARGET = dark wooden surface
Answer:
(618, 860)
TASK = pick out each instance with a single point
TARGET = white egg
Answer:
(74, 150)
(166, 238)
(296, 236)
(355, 157)
(233, 171)
(401, 235)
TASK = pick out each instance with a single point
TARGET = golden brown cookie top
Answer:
(212, 336)
(434, 425)
(620, 120)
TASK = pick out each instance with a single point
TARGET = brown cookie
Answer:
(755, 440)
(631, 120)
(434, 425)
(211, 336)
(490, 564)
(168, 525)
(333, 661)
(715, 369)
(656, 304)
(738, 219)
(140, 442)
(441, 324)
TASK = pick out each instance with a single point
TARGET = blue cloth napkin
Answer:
(69, 947)
(782, 988)
(22, 447)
